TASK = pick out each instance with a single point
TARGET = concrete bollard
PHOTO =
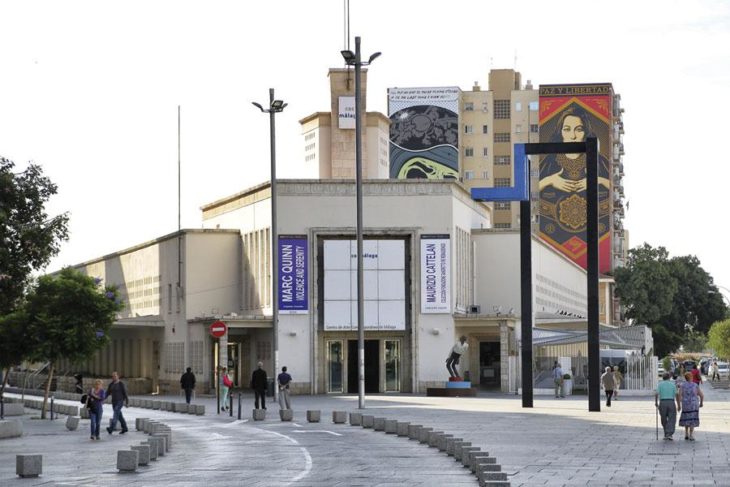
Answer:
(28, 465)
(486, 477)
(480, 463)
(159, 444)
(11, 428)
(313, 415)
(165, 439)
(458, 445)
(144, 454)
(181, 407)
(462, 455)
(379, 424)
(441, 443)
(469, 457)
(258, 414)
(200, 409)
(138, 423)
(355, 419)
(414, 431)
(450, 445)
(286, 414)
(423, 435)
(402, 428)
(339, 417)
(153, 449)
(368, 421)
(434, 437)
(72, 423)
(127, 460)
(391, 426)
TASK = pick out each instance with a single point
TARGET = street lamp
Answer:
(354, 59)
(275, 106)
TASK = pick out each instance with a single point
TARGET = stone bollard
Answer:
(127, 460)
(414, 431)
(402, 428)
(450, 445)
(355, 419)
(148, 426)
(157, 405)
(138, 423)
(458, 445)
(258, 414)
(423, 435)
(391, 426)
(181, 407)
(165, 439)
(313, 415)
(434, 437)
(159, 444)
(464, 452)
(72, 423)
(339, 417)
(368, 421)
(153, 449)
(200, 409)
(441, 443)
(468, 458)
(11, 428)
(480, 463)
(144, 454)
(28, 465)
(286, 414)
(379, 424)
(486, 477)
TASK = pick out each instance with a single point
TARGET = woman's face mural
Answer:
(573, 129)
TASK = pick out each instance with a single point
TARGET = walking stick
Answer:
(657, 422)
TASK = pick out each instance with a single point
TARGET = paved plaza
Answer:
(558, 442)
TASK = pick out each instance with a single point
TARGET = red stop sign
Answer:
(218, 329)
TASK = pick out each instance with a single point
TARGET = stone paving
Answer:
(558, 442)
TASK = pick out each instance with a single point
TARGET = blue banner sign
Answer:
(293, 275)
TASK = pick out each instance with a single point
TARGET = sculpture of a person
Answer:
(456, 352)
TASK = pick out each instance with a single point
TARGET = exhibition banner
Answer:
(293, 275)
(435, 274)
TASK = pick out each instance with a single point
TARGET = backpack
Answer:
(84, 398)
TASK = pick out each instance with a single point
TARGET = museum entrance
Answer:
(372, 366)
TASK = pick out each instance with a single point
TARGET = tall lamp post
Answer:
(275, 106)
(353, 59)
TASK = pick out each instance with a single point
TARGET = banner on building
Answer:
(293, 275)
(424, 132)
(571, 113)
(435, 274)
(346, 112)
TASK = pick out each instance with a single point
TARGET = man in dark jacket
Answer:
(258, 384)
(187, 382)
(118, 392)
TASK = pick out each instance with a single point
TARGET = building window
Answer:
(469, 151)
(502, 160)
(518, 106)
(518, 129)
(502, 137)
(309, 136)
(309, 147)
(485, 129)
(534, 128)
(468, 106)
(501, 109)
(468, 129)
(485, 151)
(485, 174)
(506, 205)
(468, 175)
(533, 106)
(502, 183)
(502, 225)
(310, 157)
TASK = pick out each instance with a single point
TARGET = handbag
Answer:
(84, 398)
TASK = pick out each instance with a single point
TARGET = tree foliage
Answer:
(719, 338)
(28, 237)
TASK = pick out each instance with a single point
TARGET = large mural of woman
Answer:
(563, 185)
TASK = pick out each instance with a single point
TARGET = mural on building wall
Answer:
(424, 133)
(571, 113)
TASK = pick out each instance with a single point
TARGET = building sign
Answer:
(435, 274)
(293, 274)
(424, 132)
(384, 276)
(571, 113)
(346, 112)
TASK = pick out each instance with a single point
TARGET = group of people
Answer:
(94, 400)
(685, 397)
(259, 383)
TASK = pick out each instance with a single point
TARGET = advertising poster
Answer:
(346, 112)
(424, 133)
(293, 275)
(571, 113)
(435, 274)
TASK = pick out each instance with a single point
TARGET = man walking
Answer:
(187, 382)
(607, 381)
(664, 398)
(284, 380)
(118, 392)
(558, 380)
(258, 384)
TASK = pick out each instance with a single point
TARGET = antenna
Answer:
(346, 5)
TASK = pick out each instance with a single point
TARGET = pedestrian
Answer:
(558, 380)
(284, 380)
(118, 392)
(225, 384)
(617, 379)
(691, 400)
(187, 383)
(79, 388)
(94, 403)
(696, 375)
(664, 399)
(714, 371)
(608, 383)
(258, 384)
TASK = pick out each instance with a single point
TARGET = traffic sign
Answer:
(218, 329)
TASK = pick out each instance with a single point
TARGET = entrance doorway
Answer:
(489, 365)
(372, 366)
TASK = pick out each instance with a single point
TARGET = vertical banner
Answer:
(346, 112)
(293, 275)
(435, 274)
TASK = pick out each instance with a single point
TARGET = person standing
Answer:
(457, 351)
(691, 400)
(95, 404)
(617, 379)
(608, 383)
(664, 398)
(258, 384)
(696, 375)
(118, 392)
(284, 380)
(187, 383)
(714, 371)
(225, 385)
(558, 380)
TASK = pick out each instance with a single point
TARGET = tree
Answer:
(719, 338)
(69, 316)
(28, 237)
(15, 344)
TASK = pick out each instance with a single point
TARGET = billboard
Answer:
(384, 276)
(424, 133)
(293, 275)
(571, 113)
(435, 274)
(346, 112)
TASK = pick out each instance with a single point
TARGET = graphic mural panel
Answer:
(424, 133)
(571, 113)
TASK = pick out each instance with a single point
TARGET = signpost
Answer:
(217, 330)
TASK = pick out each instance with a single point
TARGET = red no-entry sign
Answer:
(218, 329)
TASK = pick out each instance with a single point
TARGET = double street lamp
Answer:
(353, 59)
(274, 107)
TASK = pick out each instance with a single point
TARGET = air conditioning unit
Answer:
(474, 309)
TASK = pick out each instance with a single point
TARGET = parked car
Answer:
(723, 368)
(660, 370)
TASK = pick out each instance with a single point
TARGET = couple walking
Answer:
(689, 399)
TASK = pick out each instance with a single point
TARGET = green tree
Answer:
(719, 338)
(15, 344)
(28, 237)
(69, 315)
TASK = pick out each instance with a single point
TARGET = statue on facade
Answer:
(456, 352)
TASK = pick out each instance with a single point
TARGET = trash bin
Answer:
(270, 386)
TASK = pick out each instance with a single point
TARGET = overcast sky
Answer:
(89, 90)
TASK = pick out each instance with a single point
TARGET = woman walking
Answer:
(95, 403)
(691, 399)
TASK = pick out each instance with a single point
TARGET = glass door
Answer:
(334, 366)
(392, 365)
